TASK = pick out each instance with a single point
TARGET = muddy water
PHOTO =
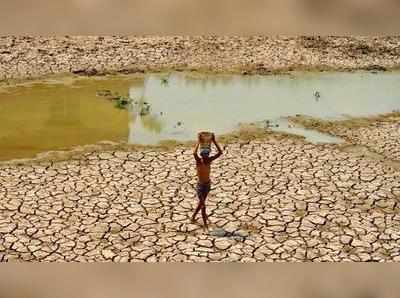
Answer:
(55, 115)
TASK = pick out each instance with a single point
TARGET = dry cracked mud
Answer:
(379, 135)
(272, 199)
(23, 57)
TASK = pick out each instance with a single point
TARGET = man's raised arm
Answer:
(219, 153)
(196, 148)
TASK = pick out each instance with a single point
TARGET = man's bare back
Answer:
(203, 165)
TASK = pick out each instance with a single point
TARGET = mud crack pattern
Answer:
(271, 200)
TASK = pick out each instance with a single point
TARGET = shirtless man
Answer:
(203, 165)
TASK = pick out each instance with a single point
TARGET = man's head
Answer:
(205, 152)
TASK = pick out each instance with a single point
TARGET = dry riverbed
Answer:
(274, 197)
(23, 57)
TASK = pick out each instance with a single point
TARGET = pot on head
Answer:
(205, 139)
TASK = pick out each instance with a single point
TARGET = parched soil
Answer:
(273, 198)
(380, 134)
(31, 57)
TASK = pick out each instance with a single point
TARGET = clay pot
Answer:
(205, 139)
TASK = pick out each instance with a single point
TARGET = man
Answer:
(203, 165)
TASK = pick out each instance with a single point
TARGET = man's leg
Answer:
(199, 206)
(203, 210)
(204, 215)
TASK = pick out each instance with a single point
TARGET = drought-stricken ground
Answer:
(33, 56)
(273, 199)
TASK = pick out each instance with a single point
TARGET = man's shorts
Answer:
(203, 189)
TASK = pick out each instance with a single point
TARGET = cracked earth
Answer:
(272, 199)
(37, 56)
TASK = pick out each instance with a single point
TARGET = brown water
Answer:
(58, 115)
(54, 115)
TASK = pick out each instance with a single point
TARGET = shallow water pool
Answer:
(53, 115)
(181, 105)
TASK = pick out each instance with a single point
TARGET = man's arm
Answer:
(196, 148)
(219, 153)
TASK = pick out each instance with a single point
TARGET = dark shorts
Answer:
(203, 189)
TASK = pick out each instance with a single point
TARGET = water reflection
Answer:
(145, 124)
(180, 105)
(55, 115)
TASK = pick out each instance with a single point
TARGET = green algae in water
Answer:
(43, 117)
(52, 116)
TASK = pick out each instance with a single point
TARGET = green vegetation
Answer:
(122, 102)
